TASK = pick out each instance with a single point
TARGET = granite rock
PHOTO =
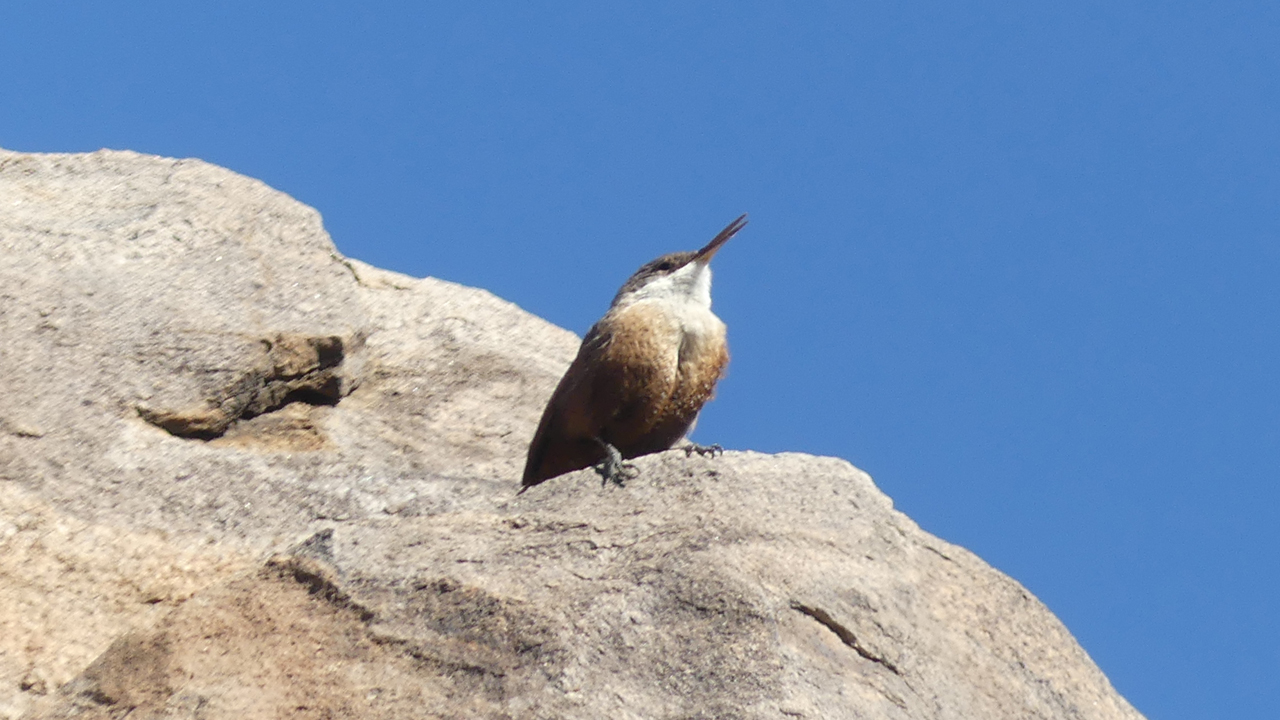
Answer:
(242, 476)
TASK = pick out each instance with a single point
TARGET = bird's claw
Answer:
(613, 470)
(703, 450)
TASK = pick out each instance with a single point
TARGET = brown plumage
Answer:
(642, 374)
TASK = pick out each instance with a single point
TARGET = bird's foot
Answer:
(703, 450)
(613, 469)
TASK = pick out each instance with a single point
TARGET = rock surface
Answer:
(242, 476)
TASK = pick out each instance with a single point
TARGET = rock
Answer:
(242, 476)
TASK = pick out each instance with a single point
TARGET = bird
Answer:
(641, 375)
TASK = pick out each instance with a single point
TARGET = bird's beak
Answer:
(704, 255)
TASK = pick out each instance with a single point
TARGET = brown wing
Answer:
(563, 442)
(642, 360)
(610, 392)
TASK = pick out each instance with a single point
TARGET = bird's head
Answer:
(680, 276)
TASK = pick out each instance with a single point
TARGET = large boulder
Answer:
(242, 476)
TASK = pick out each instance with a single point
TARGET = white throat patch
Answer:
(689, 284)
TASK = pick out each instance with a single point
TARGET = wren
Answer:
(642, 374)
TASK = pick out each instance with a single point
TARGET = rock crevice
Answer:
(292, 368)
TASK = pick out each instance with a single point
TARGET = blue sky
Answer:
(1017, 260)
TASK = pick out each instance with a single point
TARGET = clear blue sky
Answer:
(1017, 260)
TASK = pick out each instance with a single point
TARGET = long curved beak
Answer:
(704, 255)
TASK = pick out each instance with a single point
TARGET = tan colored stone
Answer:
(196, 383)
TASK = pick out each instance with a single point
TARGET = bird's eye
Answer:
(665, 265)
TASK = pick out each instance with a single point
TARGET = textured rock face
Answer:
(242, 477)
